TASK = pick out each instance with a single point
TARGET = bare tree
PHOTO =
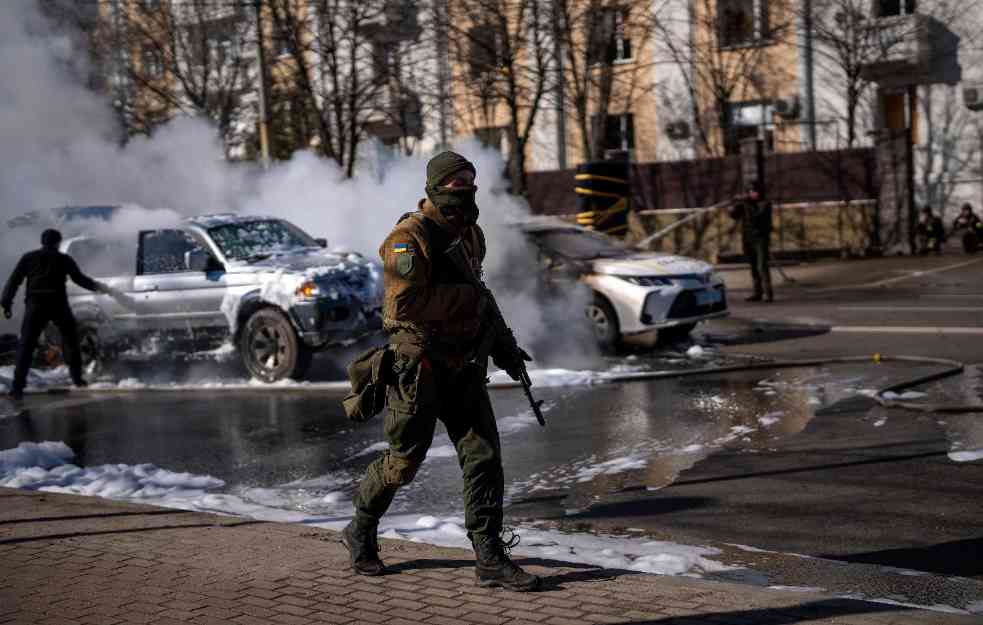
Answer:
(725, 52)
(188, 57)
(601, 44)
(341, 56)
(950, 143)
(503, 55)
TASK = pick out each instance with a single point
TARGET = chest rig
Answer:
(442, 269)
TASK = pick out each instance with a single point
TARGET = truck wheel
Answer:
(270, 347)
(604, 320)
(95, 356)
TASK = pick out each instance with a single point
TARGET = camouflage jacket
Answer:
(424, 294)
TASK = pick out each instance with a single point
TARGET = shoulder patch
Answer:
(405, 263)
(402, 248)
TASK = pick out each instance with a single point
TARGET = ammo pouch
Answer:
(369, 375)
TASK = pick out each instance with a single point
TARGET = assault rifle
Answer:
(497, 327)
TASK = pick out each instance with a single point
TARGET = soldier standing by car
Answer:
(971, 228)
(754, 214)
(931, 232)
(434, 318)
(46, 300)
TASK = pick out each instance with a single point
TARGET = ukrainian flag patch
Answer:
(402, 248)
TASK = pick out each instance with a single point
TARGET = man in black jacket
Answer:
(46, 271)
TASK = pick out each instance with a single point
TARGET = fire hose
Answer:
(948, 369)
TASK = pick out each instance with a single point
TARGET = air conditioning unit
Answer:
(678, 130)
(788, 107)
(973, 97)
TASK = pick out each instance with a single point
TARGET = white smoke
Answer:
(60, 146)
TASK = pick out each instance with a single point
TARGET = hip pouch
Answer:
(369, 375)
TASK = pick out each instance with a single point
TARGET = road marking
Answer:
(908, 276)
(916, 308)
(906, 330)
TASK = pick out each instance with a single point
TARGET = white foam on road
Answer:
(47, 467)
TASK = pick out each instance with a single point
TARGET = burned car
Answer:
(260, 282)
(634, 292)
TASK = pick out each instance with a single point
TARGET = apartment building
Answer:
(201, 57)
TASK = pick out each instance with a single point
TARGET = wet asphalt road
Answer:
(867, 494)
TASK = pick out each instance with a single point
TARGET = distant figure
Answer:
(755, 217)
(971, 228)
(931, 232)
(46, 271)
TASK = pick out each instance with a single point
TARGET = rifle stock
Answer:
(499, 327)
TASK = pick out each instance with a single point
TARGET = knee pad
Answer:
(399, 471)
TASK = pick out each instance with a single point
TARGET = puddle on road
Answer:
(742, 412)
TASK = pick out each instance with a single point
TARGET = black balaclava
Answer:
(457, 204)
(51, 238)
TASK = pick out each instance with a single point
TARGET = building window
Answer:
(383, 60)
(607, 35)
(742, 22)
(886, 8)
(617, 132)
(153, 63)
(485, 54)
(151, 5)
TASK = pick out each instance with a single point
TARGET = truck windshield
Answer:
(253, 240)
(581, 244)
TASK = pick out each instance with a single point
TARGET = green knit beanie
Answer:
(445, 164)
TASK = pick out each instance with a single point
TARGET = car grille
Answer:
(686, 306)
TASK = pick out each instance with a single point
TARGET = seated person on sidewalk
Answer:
(971, 228)
(931, 232)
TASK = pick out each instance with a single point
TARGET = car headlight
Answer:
(308, 290)
(647, 281)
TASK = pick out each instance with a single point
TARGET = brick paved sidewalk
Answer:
(67, 560)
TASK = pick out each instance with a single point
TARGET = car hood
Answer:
(650, 264)
(310, 263)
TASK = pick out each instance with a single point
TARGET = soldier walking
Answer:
(755, 217)
(434, 318)
(46, 271)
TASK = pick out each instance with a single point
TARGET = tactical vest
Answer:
(443, 270)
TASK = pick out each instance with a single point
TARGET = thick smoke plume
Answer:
(61, 146)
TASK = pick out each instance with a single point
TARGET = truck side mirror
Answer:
(201, 260)
(322, 242)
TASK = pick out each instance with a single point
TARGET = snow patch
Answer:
(46, 466)
(907, 395)
(880, 422)
(771, 418)
(966, 456)
(696, 351)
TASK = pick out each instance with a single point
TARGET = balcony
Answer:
(912, 50)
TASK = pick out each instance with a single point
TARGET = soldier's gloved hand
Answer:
(7, 313)
(514, 364)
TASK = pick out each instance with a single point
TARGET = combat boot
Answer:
(362, 543)
(494, 568)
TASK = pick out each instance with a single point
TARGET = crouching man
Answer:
(434, 319)
(46, 271)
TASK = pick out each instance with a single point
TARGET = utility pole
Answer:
(264, 101)
(561, 113)
(441, 19)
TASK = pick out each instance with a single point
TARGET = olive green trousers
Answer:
(424, 392)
